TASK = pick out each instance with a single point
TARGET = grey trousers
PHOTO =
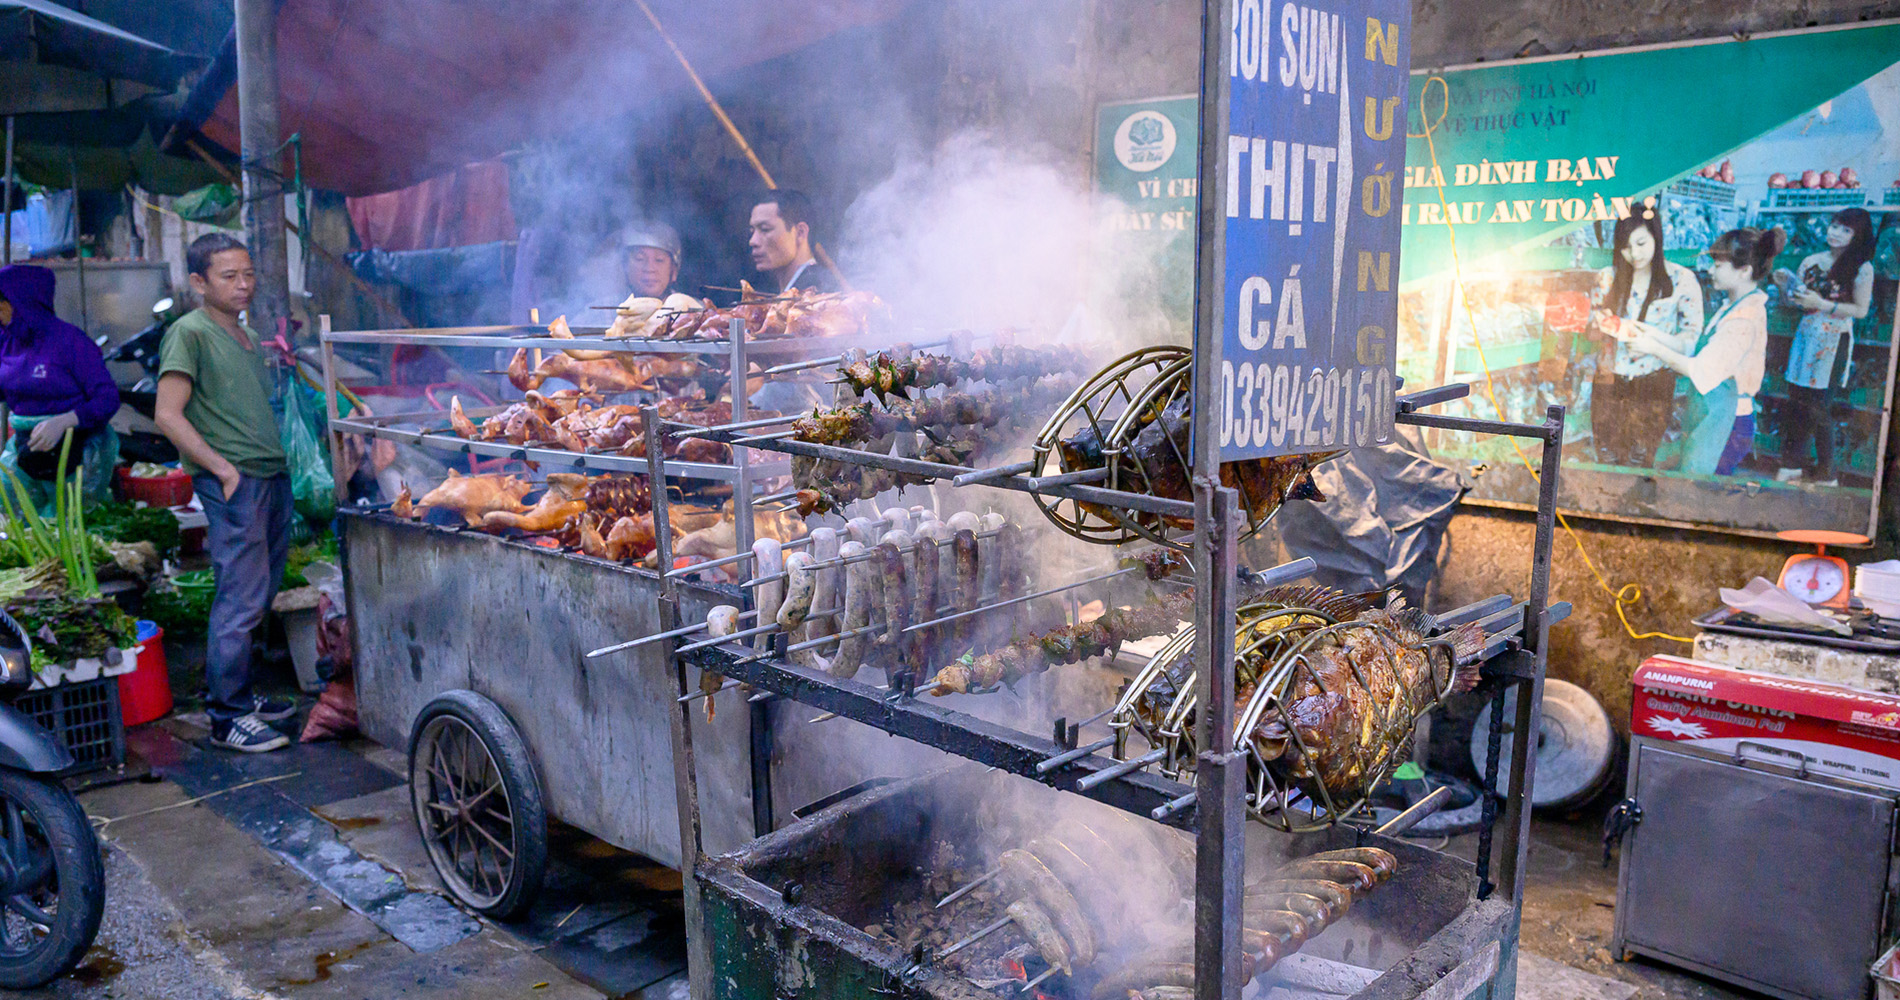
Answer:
(248, 538)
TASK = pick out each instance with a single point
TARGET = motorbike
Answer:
(52, 874)
(142, 349)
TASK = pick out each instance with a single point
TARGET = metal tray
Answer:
(1736, 623)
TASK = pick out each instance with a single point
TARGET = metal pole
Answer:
(339, 481)
(79, 256)
(256, 28)
(679, 722)
(6, 203)
(1219, 860)
(759, 713)
(1530, 696)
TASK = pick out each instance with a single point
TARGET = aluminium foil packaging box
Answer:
(1828, 729)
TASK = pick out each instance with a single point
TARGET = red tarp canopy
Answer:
(390, 92)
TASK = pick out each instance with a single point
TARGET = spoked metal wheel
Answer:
(52, 882)
(478, 804)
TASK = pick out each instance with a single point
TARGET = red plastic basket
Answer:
(170, 490)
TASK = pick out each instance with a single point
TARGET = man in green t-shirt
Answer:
(214, 392)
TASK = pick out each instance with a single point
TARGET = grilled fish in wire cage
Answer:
(1328, 686)
(1132, 419)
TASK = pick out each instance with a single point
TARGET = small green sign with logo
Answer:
(1146, 182)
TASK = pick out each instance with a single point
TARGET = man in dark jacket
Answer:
(781, 243)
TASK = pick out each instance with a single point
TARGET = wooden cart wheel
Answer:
(478, 804)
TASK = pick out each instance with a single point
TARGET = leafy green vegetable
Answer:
(126, 522)
(30, 539)
(302, 556)
(68, 628)
(183, 614)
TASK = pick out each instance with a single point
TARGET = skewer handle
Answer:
(1078, 753)
(1415, 813)
(987, 876)
(1125, 767)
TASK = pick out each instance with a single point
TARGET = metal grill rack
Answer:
(1514, 653)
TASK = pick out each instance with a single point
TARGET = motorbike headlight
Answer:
(16, 670)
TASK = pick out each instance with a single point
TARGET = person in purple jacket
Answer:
(53, 379)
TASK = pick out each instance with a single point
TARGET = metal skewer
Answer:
(870, 552)
(729, 560)
(739, 426)
(1025, 597)
(999, 472)
(1125, 767)
(696, 695)
(1066, 478)
(1044, 767)
(991, 928)
(1033, 983)
(1173, 806)
(802, 365)
(734, 637)
(657, 636)
(761, 437)
(987, 876)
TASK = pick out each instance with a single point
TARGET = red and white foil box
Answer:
(1836, 730)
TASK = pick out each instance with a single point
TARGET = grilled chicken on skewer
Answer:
(884, 373)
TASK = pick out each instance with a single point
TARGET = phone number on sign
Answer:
(1288, 406)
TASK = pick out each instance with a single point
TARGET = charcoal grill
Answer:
(787, 910)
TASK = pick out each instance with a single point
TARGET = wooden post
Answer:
(262, 151)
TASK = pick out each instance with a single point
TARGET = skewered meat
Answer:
(1034, 881)
(827, 590)
(565, 498)
(1041, 931)
(885, 373)
(799, 313)
(603, 375)
(404, 507)
(860, 596)
(1382, 863)
(1068, 644)
(768, 559)
(848, 425)
(1335, 899)
(801, 585)
(475, 496)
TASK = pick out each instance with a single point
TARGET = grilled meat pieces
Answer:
(885, 373)
(476, 496)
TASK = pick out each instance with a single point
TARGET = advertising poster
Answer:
(1610, 218)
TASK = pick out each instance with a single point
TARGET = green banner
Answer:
(1528, 151)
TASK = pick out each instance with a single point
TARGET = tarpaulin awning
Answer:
(386, 93)
(42, 33)
(461, 208)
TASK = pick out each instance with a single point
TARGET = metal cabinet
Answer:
(1755, 872)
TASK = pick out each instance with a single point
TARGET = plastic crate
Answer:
(84, 717)
(1792, 197)
(1891, 197)
(1704, 189)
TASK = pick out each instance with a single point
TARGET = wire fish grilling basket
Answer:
(1131, 421)
(1328, 686)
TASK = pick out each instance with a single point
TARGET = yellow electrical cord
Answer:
(1629, 593)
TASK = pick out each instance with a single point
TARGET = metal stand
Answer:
(1214, 808)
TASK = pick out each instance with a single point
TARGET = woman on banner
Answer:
(1725, 364)
(1833, 288)
(53, 380)
(1633, 393)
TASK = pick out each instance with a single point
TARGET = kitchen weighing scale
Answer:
(1821, 581)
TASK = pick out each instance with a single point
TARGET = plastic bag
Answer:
(312, 488)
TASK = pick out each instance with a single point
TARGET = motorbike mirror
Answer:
(161, 307)
(102, 339)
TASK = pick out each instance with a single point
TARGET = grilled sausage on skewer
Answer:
(1382, 863)
(895, 586)
(968, 584)
(897, 517)
(1335, 897)
(827, 591)
(1357, 877)
(1035, 881)
(863, 531)
(925, 581)
(860, 593)
(1041, 932)
(768, 559)
(801, 584)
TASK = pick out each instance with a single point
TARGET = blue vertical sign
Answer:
(1315, 155)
